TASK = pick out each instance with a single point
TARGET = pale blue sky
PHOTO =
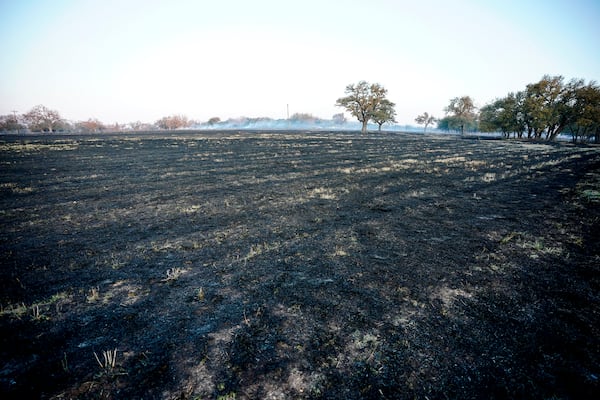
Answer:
(134, 60)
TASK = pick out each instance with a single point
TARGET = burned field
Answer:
(249, 265)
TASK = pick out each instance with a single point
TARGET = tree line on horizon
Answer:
(542, 111)
(546, 109)
(43, 119)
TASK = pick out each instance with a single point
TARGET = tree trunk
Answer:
(379, 129)
(557, 131)
(537, 133)
(364, 126)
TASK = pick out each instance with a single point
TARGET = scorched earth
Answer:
(246, 265)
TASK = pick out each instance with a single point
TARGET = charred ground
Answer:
(253, 265)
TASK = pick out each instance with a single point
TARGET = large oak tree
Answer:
(363, 101)
(461, 112)
(41, 118)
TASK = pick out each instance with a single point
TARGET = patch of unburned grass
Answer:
(191, 209)
(16, 189)
(591, 195)
(322, 193)
(123, 291)
(394, 166)
(93, 295)
(535, 246)
(474, 164)
(38, 310)
(340, 251)
(261, 248)
(450, 160)
(31, 147)
(510, 236)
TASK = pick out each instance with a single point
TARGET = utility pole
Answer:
(16, 120)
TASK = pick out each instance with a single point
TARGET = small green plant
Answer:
(228, 396)
(538, 245)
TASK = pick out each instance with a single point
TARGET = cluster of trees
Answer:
(89, 126)
(368, 102)
(43, 119)
(10, 122)
(173, 122)
(543, 110)
(546, 109)
(39, 118)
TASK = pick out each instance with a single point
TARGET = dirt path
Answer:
(240, 265)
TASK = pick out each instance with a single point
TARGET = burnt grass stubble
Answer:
(298, 265)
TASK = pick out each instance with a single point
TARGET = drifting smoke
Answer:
(313, 124)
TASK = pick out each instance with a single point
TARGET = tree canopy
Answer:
(503, 115)
(10, 122)
(546, 109)
(41, 118)
(384, 112)
(425, 119)
(91, 125)
(461, 113)
(364, 100)
(585, 121)
(173, 122)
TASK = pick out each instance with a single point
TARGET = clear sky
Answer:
(129, 60)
